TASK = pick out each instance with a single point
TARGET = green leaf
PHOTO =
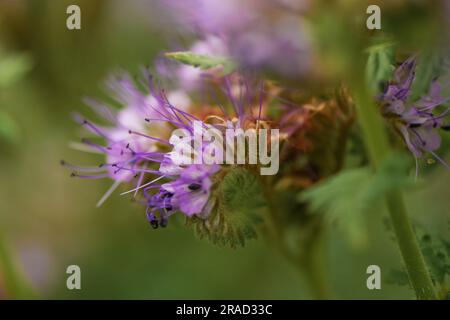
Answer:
(13, 67)
(397, 277)
(201, 61)
(239, 208)
(9, 130)
(428, 68)
(436, 251)
(380, 65)
(341, 198)
(350, 196)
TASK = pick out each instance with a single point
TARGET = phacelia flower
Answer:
(131, 139)
(418, 121)
(142, 146)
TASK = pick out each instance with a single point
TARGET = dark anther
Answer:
(62, 162)
(130, 132)
(169, 207)
(163, 223)
(415, 125)
(382, 85)
(154, 224)
(85, 121)
(73, 174)
(100, 165)
(446, 127)
(147, 119)
(167, 195)
(194, 186)
(128, 145)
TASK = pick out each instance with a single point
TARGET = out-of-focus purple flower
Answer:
(258, 34)
(191, 78)
(417, 121)
(125, 144)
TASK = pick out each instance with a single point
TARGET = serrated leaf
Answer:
(202, 61)
(13, 67)
(239, 208)
(350, 196)
(436, 253)
(341, 198)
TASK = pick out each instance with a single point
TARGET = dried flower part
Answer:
(319, 130)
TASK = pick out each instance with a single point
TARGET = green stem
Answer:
(378, 148)
(311, 264)
(407, 241)
(16, 286)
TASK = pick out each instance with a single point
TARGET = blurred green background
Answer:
(50, 221)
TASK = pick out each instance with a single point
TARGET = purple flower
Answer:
(257, 33)
(191, 78)
(142, 149)
(417, 121)
(189, 193)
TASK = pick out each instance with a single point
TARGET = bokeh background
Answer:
(49, 221)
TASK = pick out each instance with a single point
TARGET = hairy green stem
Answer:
(378, 148)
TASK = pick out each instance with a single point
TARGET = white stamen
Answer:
(143, 186)
(140, 181)
(109, 192)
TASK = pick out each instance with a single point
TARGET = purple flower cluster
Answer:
(417, 121)
(142, 147)
(139, 144)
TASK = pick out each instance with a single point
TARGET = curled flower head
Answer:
(418, 121)
(144, 148)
